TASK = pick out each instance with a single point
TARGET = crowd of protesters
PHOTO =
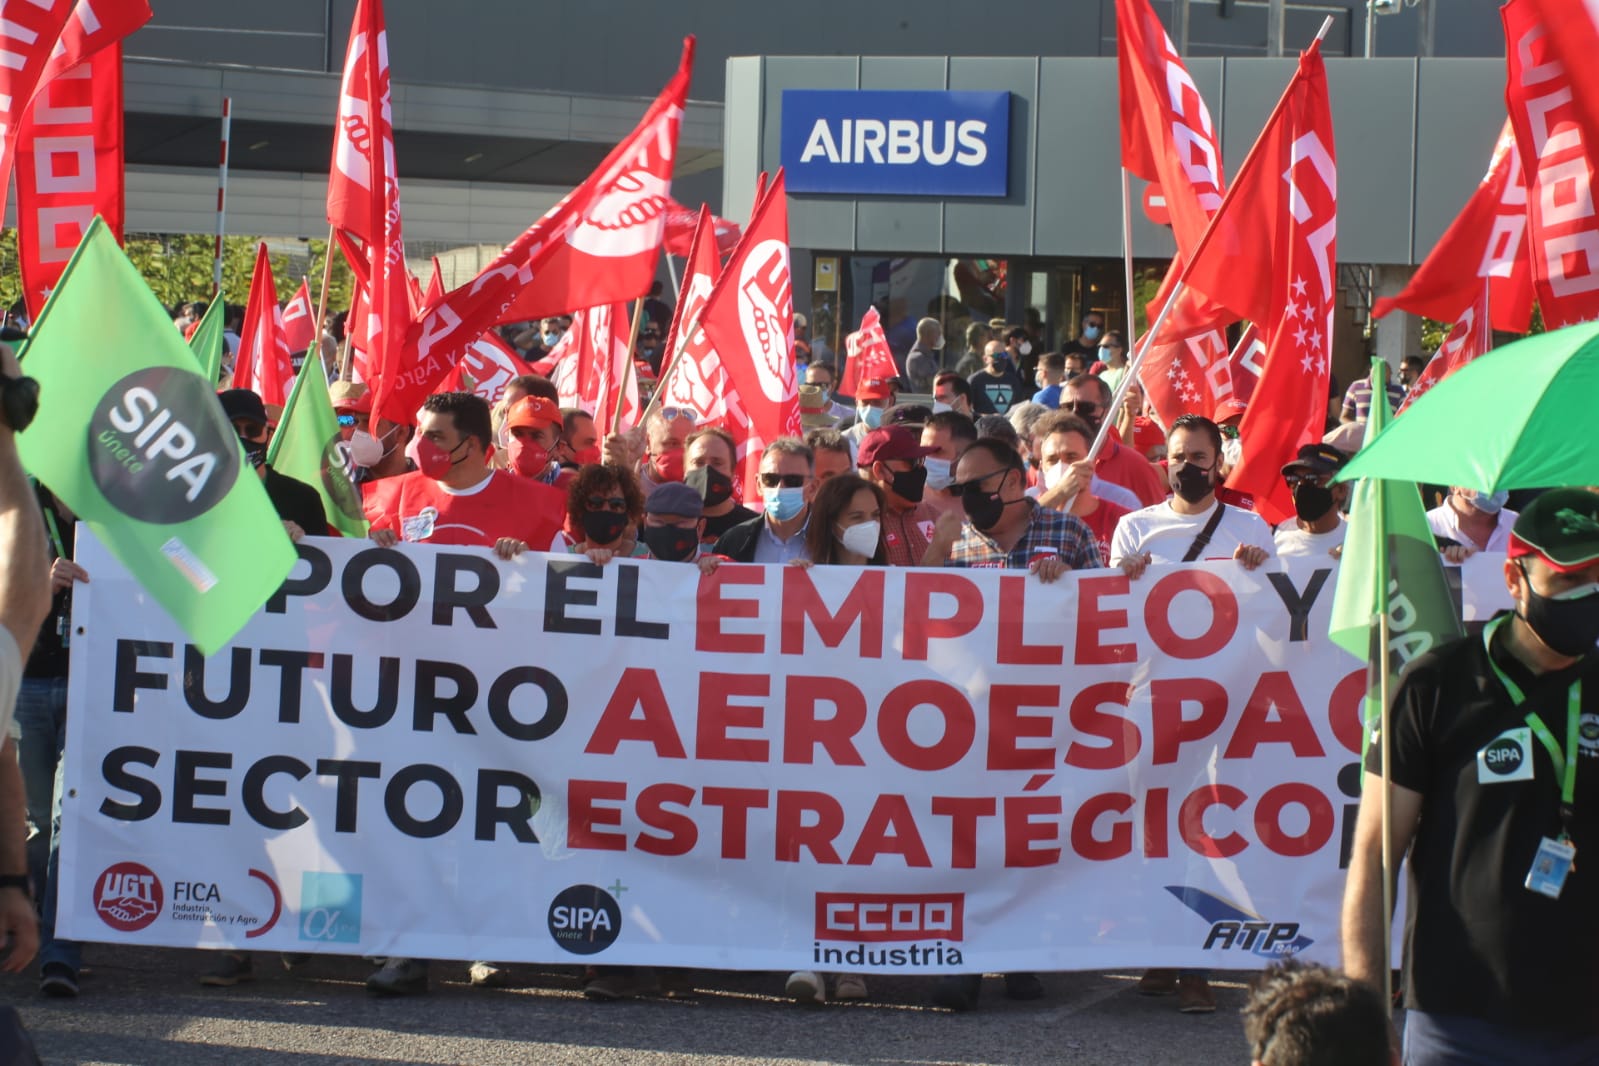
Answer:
(974, 462)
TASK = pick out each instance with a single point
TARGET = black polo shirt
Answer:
(1477, 942)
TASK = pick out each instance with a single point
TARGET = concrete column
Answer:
(1399, 333)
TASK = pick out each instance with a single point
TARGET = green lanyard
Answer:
(55, 533)
(1565, 761)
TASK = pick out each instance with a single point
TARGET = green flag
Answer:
(309, 447)
(1390, 564)
(207, 343)
(133, 439)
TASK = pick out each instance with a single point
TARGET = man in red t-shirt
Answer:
(456, 497)
(1061, 441)
(1089, 398)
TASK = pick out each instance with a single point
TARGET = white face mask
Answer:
(1054, 475)
(367, 450)
(939, 476)
(1025, 348)
(862, 538)
(940, 408)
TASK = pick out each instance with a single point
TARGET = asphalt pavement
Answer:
(144, 1007)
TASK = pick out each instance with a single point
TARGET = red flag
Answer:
(591, 366)
(1485, 241)
(1270, 257)
(598, 245)
(1471, 336)
(486, 369)
(680, 226)
(69, 169)
(263, 362)
(28, 36)
(1556, 139)
(1573, 36)
(870, 358)
(749, 319)
(299, 320)
(435, 289)
(1244, 364)
(364, 206)
(93, 26)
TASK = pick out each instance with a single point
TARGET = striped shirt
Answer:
(1048, 533)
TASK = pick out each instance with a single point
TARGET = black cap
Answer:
(907, 414)
(1317, 459)
(1562, 525)
(243, 403)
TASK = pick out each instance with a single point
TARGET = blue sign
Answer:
(896, 143)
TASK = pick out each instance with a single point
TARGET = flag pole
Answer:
(1127, 256)
(671, 270)
(322, 298)
(222, 194)
(1384, 746)
(627, 375)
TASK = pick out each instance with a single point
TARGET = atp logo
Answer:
(330, 907)
(1234, 929)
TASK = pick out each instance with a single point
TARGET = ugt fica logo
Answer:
(1233, 928)
(585, 919)
(127, 897)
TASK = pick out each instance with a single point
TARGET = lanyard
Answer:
(55, 533)
(1565, 761)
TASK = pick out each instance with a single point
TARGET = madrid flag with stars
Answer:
(1270, 257)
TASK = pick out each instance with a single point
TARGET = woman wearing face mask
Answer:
(1470, 521)
(604, 506)
(846, 530)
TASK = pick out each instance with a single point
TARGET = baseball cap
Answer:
(800, 320)
(1317, 459)
(676, 499)
(243, 403)
(1562, 527)
(890, 442)
(533, 411)
(876, 389)
(350, 396)
(907, 414)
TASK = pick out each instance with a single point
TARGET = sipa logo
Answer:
(585, 919)
(766, 315)
(880, 916)
(1233, 928)
(128, 897)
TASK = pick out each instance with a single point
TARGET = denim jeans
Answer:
(1448, 1040)
(41, 726)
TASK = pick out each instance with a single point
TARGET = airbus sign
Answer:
(896, 143)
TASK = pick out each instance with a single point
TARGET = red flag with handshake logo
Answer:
(1270, 257)
(1557, 132)
(599, 245)
(749, 319)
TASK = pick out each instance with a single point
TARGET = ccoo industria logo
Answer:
(1234, 929)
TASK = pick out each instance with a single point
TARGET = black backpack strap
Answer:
(1203, 540)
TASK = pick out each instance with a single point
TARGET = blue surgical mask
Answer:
(551, 339)
(1489, 503)
(1091, 332)
(872, 416)
(939, 475)
(783, 503)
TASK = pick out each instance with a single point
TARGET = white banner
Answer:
(432, 753)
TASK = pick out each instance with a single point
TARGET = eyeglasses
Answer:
(607, 503)
(974, 487)
(672, 414)
(346, 420)
(788, 481)
(1081, 407)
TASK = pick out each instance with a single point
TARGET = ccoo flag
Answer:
(1390, 563)
(309, 447)
(134, 441)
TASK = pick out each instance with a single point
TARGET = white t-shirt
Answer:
(10, 679)
(1166, 536)
(1445, 522)
(1293, 541)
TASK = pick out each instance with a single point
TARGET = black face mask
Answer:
(1566, 627)
(255, 452)
(1191, 482)
(714, 487)
(1312, 501)
(985, 509)
(603, 527)
(910, 484)
(673, 544)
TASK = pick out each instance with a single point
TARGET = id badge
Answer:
(1550, 867)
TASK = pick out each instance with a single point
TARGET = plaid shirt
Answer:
(1048, 533)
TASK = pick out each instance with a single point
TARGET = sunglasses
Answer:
(1081, 407)
(249, 429)
(788, 481)
(672, 414)
(607, 503)
(974, 487)
(346, 420)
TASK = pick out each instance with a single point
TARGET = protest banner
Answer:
(431, 753)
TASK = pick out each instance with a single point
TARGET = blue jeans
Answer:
(1450, 1040)
(41, 725)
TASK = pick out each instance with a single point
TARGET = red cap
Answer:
(890, 442)
(878, 389)
(533, 412)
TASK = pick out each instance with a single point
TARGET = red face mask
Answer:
(588, 456)
(670, 466)
(528, 458)
(433, 460)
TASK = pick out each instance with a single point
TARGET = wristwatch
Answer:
(19, 401)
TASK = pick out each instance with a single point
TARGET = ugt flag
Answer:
(132, 438)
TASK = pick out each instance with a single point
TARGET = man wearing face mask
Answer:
(533, 430)
(926, 357)
(297, 504)
(1087, 342)
(787, 484)
(1494, 793)
(822, 376)
(712, 457)
(1469, 521)
(674, 523)
(580, 438)
(1087, 397)
(872, 398)
(1022, 354)
(1193, 525)
(665, 430)
(997, 386)
(947, 433)
(951, 392)
(376, 448)
(1318, 527)
(892, 459)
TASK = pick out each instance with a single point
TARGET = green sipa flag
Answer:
(308, 446)
(207, 343)
(134, 441)
(1390, 563)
